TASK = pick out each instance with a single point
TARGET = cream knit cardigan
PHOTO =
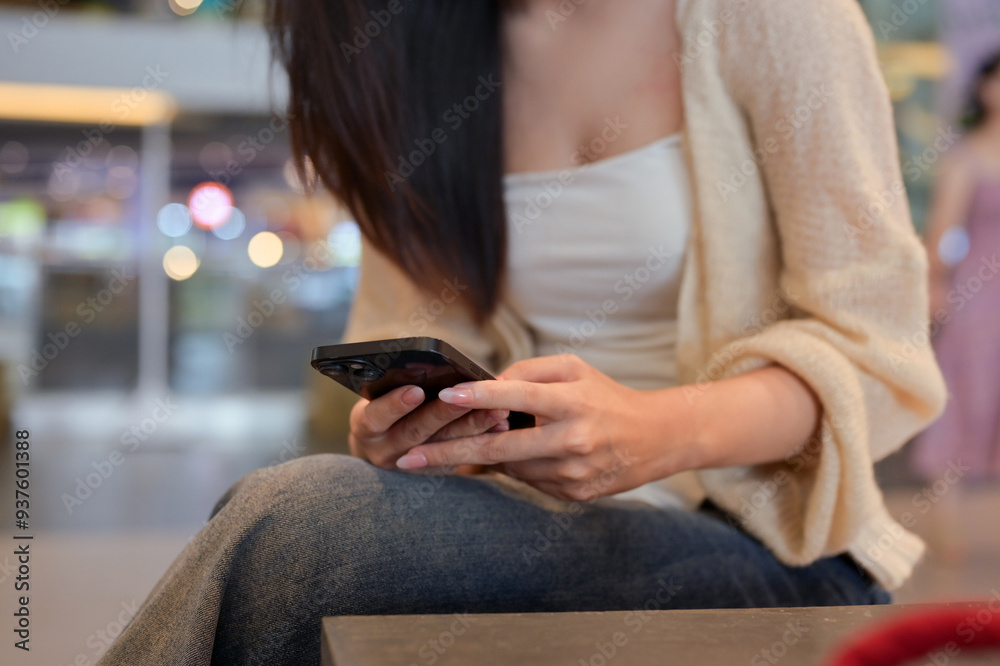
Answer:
(802, 253)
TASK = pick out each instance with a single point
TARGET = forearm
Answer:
(758, 417)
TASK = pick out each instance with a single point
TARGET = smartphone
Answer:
(372, 369)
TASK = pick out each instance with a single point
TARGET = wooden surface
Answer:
(758, 637)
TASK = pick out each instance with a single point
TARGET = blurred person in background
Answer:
(684, 193)
(965, 301)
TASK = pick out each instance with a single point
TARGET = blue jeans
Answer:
(332, 535)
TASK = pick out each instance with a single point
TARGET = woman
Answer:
(965, 304)
(696, 198)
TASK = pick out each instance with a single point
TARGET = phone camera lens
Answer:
(363, 371)
(368, 374)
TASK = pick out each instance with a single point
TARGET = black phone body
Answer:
(372, 369)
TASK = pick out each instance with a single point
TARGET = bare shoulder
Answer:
(957, 170)
(978, 153)
(964, 156)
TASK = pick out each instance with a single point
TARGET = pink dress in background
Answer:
(968, 349)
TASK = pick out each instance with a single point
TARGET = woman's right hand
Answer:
(384, 429)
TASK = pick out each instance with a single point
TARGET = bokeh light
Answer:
(174, 220)
(210, 204)
(233, 227)
(24, 216)
(265, 249)
(184, 7)
(180, 262)
(64, 184)
(954, 246)
(122, 156)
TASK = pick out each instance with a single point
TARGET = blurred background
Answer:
(163, 279)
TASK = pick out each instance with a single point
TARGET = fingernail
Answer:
(412, 461)
(503, 426)
(413, 396)
(455, 395)
(499, 414)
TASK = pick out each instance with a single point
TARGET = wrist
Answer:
(678, 432)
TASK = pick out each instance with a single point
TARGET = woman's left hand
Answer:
(593, 436)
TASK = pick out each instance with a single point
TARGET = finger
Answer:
(413, 429)
(545, 369)
(542, 469)
(514, 395)
(419, 426)
(503, 426)
(485, 449)
(474, 423)
(375, 417)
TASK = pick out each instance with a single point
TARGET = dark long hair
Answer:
(975, 111)
(374, 88)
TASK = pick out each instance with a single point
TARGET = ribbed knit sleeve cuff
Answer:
(886, 550)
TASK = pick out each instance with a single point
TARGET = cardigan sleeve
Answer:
(805, 79)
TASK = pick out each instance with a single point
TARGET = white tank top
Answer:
(594, 267)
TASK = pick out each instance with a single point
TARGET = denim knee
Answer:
(300, 473)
